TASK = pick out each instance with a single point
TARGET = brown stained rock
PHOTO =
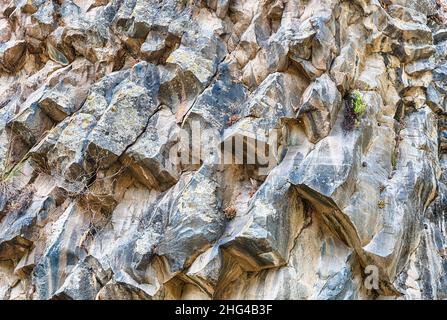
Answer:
(68, 95)
(12, 54)
(6, 30)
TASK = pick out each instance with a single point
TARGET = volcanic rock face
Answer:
(226, 149)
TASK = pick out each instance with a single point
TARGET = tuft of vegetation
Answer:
(11, 171)
(394, 159)
(355, 107)
(230, 212)
(358, 103)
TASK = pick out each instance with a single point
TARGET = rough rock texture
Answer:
(98, 97)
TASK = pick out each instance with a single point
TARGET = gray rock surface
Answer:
(318, 171)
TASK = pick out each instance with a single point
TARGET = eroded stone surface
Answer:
(102, 193)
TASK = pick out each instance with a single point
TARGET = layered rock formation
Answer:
(339, 191)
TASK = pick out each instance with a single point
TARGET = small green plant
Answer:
(10, 170)
(355, 107)
(394, 159)
(358, 103)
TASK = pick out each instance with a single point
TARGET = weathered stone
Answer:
(345, 68)
(440, 36)
(149, 156)
(204, 223)
(31, 123)
(206, 270)
(84, 281)
(218, 103)
(40, 151)
(12, 54)
(178, 90)
(6, 33)
(323, 46)
(319, 107)
(19, 228)
(59, 258)
(122, 122)
(407, 14)
(66, 156)
(57, 55)
(408, 31)
(427, 7)
(271, 102)
(69, 94)
(202, 68)
(420, 66)
(154, 46)
(435, 99)
(257, 239)
(223, 149)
